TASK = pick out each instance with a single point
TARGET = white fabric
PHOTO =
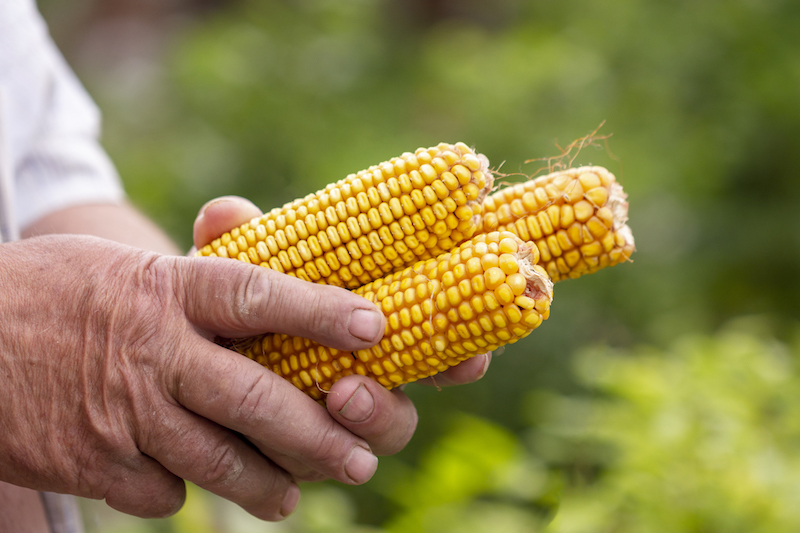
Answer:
(50, 157)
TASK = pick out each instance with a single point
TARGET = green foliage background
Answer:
(646, 402)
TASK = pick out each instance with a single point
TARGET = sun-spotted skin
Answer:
(576, 217)
(376, 221)
(483, 294)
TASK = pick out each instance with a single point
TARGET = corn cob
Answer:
(483, 294)
(379, 220)
(576, 217)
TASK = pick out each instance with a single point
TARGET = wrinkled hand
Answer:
(113, 389)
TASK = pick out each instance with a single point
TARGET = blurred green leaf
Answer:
(706, 436)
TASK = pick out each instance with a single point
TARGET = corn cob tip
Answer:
(538, 284)
(576, 217)
(485, 191)
(483, 179)
(618, 203)
(489, 177)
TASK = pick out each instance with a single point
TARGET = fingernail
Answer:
(361, 465)
(360, 405)
(215, 201)
(365, 324)
(290, 500)
(487, 359)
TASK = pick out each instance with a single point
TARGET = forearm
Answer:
(117, 222)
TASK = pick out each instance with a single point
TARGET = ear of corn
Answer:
(457, 300)
(483, 294)
(379, 220)
(577, 219)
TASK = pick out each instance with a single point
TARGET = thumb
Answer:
(235, 299)
(221, 215)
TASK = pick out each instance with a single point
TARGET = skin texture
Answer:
(116, 390)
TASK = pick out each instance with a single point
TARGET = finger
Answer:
(385, 419)
(299, 470)
(234, 299)
(238, 393)
(221, 215)
(221, 462)
(144, 488)
(464, 372)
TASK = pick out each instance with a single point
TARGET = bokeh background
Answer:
(662, 395)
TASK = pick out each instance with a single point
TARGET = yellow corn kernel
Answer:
(461, 327)
(508, 264)
(517, 283)
(504, 294)
(433, 190)
(494, 276)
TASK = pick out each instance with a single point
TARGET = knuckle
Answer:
(331, 450)
(222, 465)
(258, 403)
(149, 311)
(302, 305)
(252, 295)
(328, 310)
(320, 316)
(156, 282)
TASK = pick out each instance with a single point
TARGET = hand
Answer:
(113, 389)
(378, 426)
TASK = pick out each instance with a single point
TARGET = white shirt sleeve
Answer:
(51, 124)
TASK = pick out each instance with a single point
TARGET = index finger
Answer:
(234, 300)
